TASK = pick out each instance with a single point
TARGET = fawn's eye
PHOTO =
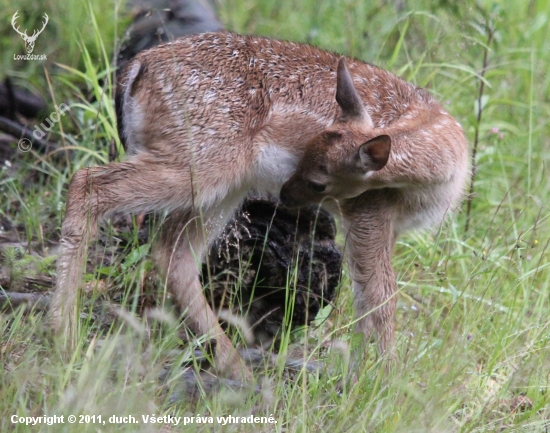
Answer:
(317, 187)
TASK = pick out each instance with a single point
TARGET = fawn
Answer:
(210, 117)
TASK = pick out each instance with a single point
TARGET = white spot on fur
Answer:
(210, 96)
(398, 157)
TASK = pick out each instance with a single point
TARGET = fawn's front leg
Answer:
(178, 253)
(369, 245)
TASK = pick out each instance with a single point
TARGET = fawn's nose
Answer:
(287, 198)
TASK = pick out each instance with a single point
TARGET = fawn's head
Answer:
(336, 162)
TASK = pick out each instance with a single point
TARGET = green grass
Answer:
(473, 309)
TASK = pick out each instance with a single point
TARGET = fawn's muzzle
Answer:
(288, 199)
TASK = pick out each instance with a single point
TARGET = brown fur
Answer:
(382, 178)
(210, 117)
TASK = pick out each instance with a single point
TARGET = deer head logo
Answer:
(29, 40)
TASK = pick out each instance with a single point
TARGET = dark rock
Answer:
(157, 21)
(265, 251)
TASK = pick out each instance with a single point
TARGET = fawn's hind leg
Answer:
(130, 186)
(178, 253)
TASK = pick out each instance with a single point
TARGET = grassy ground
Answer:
(473, 324)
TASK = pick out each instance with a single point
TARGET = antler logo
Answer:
(29, 40)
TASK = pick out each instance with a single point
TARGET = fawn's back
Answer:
(228, 111)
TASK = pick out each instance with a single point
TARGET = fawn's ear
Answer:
(374, 154)
(347, 97)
